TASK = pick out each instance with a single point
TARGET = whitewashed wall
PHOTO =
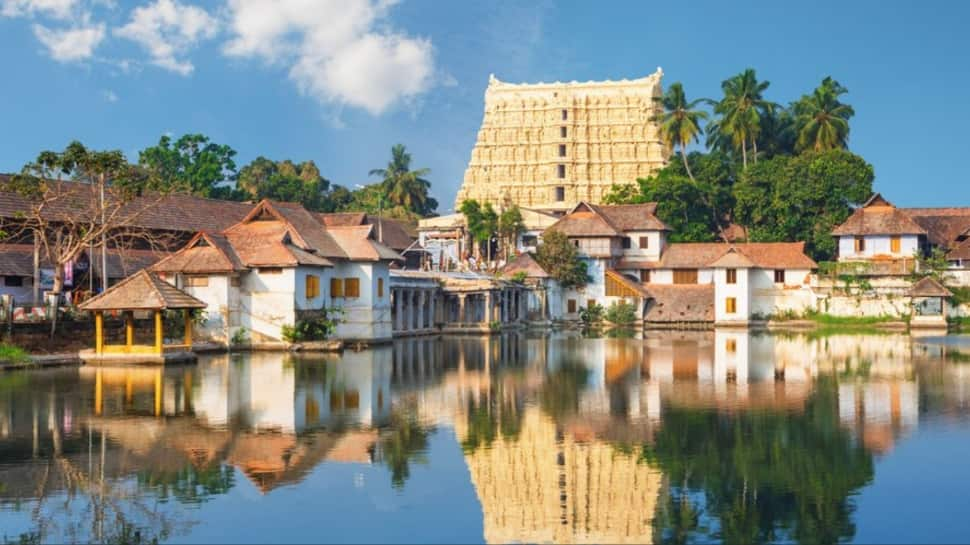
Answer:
(267, 302)
(740, 291)
(654, 245)
(769, 298)
(217, 311)
(367, 317)
(877, 245)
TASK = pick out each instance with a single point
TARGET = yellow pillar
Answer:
(98, 332)
(158, 392)
(158, 331)
(98, 395)
(129, 390)
(129, 329)
(187, 318)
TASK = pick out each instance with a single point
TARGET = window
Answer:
(731, 305)
(336, 288)
(270, 270)
(235, 281)
(13, 281)
(565, 115)
(196, 281)
(685, 276)
(731, 276)
(562, 132)
(645, 276)
(860, 245)
(576, 242)
(590, 303)
(560, 193)
(571, 306)
(380, 287)
(895, 245)
(644, 243)
(351, 287)
(530, 240)
(731, 345)
(562, 150)
(626, 243)
(312, 288)
(779, 276)
(561, 171)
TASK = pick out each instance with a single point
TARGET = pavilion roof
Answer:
(929, 287)
(142, 291)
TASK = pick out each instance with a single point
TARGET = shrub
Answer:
(241, 336)
(621, 313)
(591, 314)
(310, 329)
(13, 354)
(519, 277)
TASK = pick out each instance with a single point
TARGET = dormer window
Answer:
(626, 243)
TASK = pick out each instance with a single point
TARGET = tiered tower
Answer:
(551, 145)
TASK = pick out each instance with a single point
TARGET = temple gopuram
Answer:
(550, 145)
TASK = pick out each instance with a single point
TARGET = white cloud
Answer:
(72, 44)
(340, 52)
(109, 95)
(168, 29)
(59, 9)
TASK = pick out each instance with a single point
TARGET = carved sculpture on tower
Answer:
(549, 145)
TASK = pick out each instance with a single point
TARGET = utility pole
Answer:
(104, 243)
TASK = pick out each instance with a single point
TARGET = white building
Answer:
(280, 265)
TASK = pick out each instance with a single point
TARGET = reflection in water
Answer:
(676, 437)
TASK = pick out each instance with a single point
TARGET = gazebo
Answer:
(143, 291)
(929, 303)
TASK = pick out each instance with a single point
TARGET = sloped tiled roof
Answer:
(680, 303)
(267, 243)
(525, 262)
(878, 217)
(205, 253)
(944, 226)
(142, 291)
(176, 212)
(357, 243)
(592, 220)
(929, 287)
(18, 260)
(310, 228)
(960, 251)
(767, 255)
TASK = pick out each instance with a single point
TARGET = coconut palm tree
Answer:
(680, 122)
(739, 113)
(823, 121)
(402, 186)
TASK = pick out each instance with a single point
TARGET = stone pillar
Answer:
(461, 308)
(409, 301)
(488, 307)
(398, 310)
(504, 310)
(524, 306)
(420, 309)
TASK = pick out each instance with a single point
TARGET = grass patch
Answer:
(13, 354)
(829, 320)
(959, 323)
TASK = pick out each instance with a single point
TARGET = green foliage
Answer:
(759, 476)
(560, 392)
(509, 226)
(239, 337)
(519, 277)
(934, 264)
(961, 295)
(680, 122)
(481, 222)
(405, 441)
(592, 314)
(191, 164)
(802, 197)
(173, 322)
(823, 121)
(190, 484)
(286, 181)
(557, 256)
(621, 313)
(13, 354)
(405, 187)
(738, 115)
(308, 329)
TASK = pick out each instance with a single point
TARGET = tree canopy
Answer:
(286, 181)
(558, 257)
(193, 164)
(404, 187)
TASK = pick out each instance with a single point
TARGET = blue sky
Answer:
(340, 81)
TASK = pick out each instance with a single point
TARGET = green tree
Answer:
(802, 197)
(680, 122)
(739, 114)
(286, 181)
(405, 187)
(405, 441)
(482, 224)
(509, 227)
(557, 256)
(822, 120)
(193, 164)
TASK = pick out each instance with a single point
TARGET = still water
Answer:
(677, 437)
